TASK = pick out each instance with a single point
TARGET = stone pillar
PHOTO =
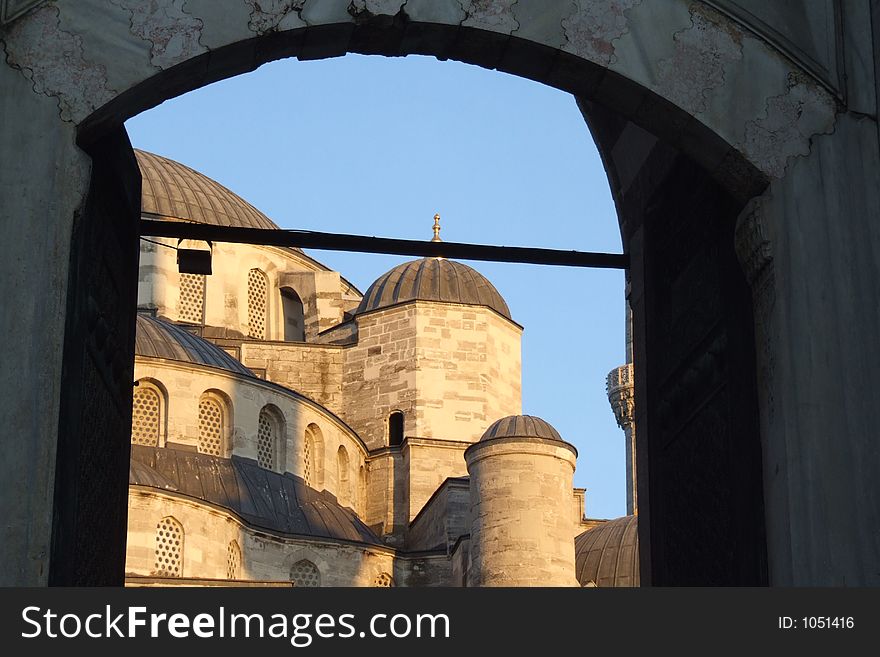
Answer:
(620, 389)
(755, 253)
(44, 183)
(521, 531)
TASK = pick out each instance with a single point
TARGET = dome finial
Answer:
(436, 237)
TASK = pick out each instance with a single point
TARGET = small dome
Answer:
(433, 279)
(521, 426)
(155, 338)
(173, 191)
(608, 555)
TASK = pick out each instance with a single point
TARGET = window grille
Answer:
(305, 574)
(169, 548)
(191, 306)
(146, 419)
(257, 288)
(307, 459)
(383, 580)
(266, 441)
(233, 561)
(210, 427)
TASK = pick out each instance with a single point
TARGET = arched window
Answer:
(308, 448)
(294, 317)
(383, 580)
(213, 425)
(313, 457)
(169, 548)
(342, 476)
(305, 574)
(257, 288)
(191, 302)
(147, 415)
(270, 434)
(233, 560)
(395, 428)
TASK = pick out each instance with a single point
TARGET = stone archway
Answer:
(694, 95)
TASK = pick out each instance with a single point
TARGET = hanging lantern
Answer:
(194, 261)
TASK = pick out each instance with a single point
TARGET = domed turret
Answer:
(521, 486)
(433, 279)
(437, 357)
(524, 426)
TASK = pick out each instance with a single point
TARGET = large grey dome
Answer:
(521, 426)
(171, 190)
(155, 338)
(433, 279)
(608, 555)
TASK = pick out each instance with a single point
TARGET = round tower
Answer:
(521, 486)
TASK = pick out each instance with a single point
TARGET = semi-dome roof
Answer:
(143, 475)
(521, 426)
(608, 555)
(261, 498)
(155, 338)
(173, 191)
(433, 279)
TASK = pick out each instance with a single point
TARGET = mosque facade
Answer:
(288, 429)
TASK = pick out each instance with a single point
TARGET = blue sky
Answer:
(376, 146)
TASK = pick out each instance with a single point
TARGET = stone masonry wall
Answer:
(451, 369)
(469, 370)
(311, 370)
(379, 373)
(322, 296)
(385, 509)
(428, 464)
(185, 384)
(208, 532)
(444, 519)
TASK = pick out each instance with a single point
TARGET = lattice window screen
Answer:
(305, 574)
(233, 561)
(169, 548)
(307, 459)
(266, 441)
(383, 580)
(191, 307)
(210, 427)
(145, 416)
(257, 289)
(343, 493)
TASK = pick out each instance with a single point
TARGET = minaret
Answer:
(620, 389)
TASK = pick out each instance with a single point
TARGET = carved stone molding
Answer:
(751, 241)
(755, 253)
(620, 389)
(12, 9)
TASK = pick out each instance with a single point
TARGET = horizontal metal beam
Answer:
(308, 239)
